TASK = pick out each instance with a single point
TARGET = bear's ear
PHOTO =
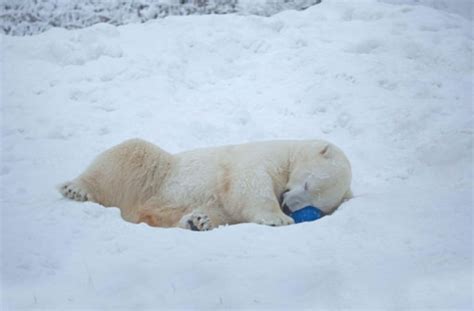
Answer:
(326, 151)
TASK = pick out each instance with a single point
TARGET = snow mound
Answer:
(390, 84)
(78, 48)
(461, 7)
(27, 17)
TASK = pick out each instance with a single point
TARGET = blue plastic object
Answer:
(308, 213)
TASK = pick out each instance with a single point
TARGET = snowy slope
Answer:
(461, 7)
(390, 84)
(28, 17)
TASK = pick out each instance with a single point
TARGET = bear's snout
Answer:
(295, 199)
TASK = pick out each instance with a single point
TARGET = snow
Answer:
(461, 7)
(27, 17)
(391, 84)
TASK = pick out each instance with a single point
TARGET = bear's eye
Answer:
(306, 186)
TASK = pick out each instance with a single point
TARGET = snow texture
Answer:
(391, 84)
(461, 7)
(26, 17)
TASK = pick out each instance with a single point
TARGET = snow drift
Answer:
(27, 17)
(390, 84)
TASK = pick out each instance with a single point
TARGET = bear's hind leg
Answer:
(73, 191)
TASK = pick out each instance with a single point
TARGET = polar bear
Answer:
(206, 188)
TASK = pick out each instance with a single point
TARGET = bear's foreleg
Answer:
(268, 213)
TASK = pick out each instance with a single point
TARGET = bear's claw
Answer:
(71, 191)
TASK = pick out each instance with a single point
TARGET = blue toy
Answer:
(308, 213)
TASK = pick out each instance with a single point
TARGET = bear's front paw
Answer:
(196, 222)
(274, 220)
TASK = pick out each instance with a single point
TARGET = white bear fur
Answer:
(222, 185)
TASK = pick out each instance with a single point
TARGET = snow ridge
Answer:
(27, 17)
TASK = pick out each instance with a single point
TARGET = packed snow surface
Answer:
(391, 84)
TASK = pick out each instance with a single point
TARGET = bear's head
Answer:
(320, 176)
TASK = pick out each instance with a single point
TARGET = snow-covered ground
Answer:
(390, 84)
(27, 17)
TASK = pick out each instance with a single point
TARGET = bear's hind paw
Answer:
(71, 191)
